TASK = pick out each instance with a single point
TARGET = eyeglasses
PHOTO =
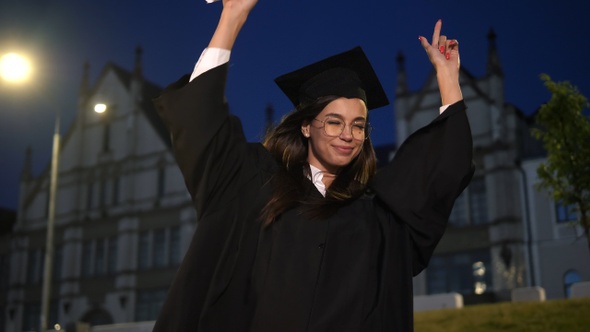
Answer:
(334, 127)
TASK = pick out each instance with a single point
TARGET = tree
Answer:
(565, 132)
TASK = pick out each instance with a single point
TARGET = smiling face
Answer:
(330, 153)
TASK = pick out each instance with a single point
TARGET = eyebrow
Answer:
(336, 115)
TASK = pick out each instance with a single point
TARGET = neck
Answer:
(327, 176)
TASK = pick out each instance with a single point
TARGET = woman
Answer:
(299, 234)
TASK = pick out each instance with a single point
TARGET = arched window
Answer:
(570, 278)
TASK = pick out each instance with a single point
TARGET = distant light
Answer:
(57, 327)
(480, 287)
(14, 67)
(100, 108)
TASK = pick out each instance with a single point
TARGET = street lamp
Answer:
(16, 68)
(100, 108)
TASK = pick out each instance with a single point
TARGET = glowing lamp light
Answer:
(14, 67)
(100, 108)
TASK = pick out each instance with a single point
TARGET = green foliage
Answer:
(557, 315)
(565, 132)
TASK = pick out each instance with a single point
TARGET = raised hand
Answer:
(244, 6)
(233, 17)
(444, 56)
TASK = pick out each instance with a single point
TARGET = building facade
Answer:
(503, 233)
(123, 216)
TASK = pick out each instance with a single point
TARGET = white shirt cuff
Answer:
(443, 108)
(209, 59)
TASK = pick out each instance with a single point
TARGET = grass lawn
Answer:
(571, 315)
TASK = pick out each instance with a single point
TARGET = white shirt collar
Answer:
(316, 178)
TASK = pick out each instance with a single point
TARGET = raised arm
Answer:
(233, 17)
(444, 55)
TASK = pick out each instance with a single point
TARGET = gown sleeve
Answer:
(429, 171)
(208, 142)
(219, 169)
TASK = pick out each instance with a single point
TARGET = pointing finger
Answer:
(436, 33)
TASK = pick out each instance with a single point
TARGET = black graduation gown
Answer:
(350, 272)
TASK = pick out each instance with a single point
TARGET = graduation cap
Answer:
(348, 74)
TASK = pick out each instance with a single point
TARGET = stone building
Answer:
(503, 233)
(123, 216)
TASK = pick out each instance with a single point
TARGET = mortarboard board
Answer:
(348, 74)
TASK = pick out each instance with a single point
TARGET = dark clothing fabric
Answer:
(350, 272)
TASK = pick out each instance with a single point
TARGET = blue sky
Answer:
(533, 37)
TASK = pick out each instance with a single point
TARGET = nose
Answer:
(346, 134)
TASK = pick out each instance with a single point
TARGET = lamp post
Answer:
(49, 246)
(16, 68)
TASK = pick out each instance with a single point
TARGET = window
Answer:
(159, 248)
(565, 213)
(149, 303)
(35, 266)
(471, 206)
(161, 182)
(113, 253)
(99, 257)
(466, 273)
(570, 278)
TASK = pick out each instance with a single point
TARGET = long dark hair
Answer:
(289, 147)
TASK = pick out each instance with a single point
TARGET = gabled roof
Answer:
(466, 79)
(149, 91)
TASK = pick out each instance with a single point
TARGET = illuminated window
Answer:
(174, 252)
(106, 137)
(115, 196)
(31, 316)
(113, 252)
(99, 257)
(570, 278)
(565, 213)
(159, 248)
(161, 182)
(87, 259)
(35, 266)
(143, 259)
(58, 254)
(464, 272)
(89, 196)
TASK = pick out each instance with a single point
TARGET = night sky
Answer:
(533, 37)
